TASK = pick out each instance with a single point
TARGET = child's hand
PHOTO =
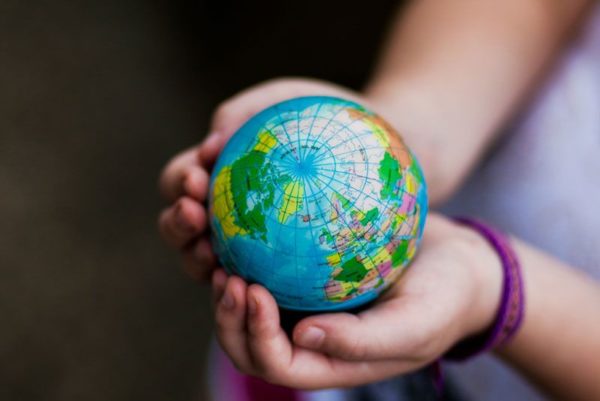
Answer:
(450, 292)
(184, 181)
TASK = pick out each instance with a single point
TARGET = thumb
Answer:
(388, 330)
(340, 335)
(232, 113)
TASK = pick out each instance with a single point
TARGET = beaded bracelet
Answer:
(512, 302)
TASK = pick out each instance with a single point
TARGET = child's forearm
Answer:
(454, 70)
(558, 346)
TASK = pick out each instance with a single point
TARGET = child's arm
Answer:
(450, 292)
(453, 71)
(558, 346)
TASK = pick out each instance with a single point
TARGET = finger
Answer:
(231, 114)
(210, 148)
(393, 328)
(310, 370)
(182, 222)
(230, 317)
(195, 183)
(183, 175)
(199, 260)
(219, 281)
(269, 346)
(276, 360)
(314, 371)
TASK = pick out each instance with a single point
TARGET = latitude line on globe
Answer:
(385, 208)
(347, 126)
(281, 123)
(354, 150)
(367, 177)
(347, 162)
(317, 136)
(360, 146)
(331, 118)
(318, 159)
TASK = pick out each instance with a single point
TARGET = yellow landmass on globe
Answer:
(411, 184)
(223, 204)
(334, 259)
(381, 255)
(292, 200)
(266, 141)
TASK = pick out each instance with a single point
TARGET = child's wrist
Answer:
(485, 268)
(509, 303)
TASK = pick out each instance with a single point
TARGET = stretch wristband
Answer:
(512, 302)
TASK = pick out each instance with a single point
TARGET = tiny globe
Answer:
(318, 200)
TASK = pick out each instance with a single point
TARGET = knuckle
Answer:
(269, 369)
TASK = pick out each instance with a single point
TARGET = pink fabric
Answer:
(259, 390)
(231, 385)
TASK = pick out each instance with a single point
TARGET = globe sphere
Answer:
(319, 200)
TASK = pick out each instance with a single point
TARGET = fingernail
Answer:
(228, 301)
(312, 337)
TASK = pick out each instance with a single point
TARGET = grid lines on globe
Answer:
(323, 201)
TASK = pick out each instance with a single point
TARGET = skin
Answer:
(407, 329)
(469, 63)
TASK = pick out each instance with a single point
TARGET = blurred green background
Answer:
(95, 96)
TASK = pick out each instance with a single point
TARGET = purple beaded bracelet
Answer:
(511, 309)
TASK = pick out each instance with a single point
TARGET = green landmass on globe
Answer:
(320, 201)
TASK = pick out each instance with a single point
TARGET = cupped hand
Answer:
(184, 181)
(450, 291)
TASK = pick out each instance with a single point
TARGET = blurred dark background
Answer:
(95, 96)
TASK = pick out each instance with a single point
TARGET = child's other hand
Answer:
(184, 181)
(450, 292)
